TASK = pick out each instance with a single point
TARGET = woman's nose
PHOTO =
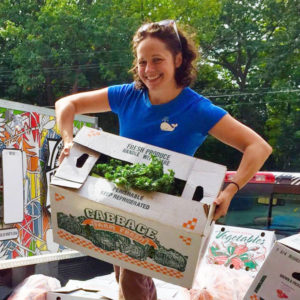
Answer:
(149, 67)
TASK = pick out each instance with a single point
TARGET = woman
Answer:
(160, 109)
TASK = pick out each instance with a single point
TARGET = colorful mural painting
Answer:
(37, 135)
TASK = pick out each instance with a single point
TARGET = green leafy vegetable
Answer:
(149, 177)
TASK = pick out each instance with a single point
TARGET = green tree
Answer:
(249, 60)
(256, 43)
(65, 46)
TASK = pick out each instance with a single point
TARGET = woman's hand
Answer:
(65, 151)
(223, 201)
(66, 108)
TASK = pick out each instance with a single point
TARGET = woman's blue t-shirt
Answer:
(180, 125)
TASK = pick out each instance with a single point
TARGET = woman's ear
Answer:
(178, 60)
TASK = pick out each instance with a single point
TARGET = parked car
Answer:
(271, 200)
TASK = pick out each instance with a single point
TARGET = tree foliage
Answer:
(249, 58)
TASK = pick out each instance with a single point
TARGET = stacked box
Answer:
(238, 248)
(279, 276)
(157, 234)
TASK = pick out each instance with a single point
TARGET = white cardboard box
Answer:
(78, 294)
(106, 288)
(238, 248)
(98, 288)
(279, 276)
(156, 234)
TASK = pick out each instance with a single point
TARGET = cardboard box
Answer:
(156, 234)
(98, 288)
(106, 288)
(78, 294)
(279, 276)
(238, 248)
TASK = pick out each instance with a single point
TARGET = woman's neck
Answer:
(162, 97)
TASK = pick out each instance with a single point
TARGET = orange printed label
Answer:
(98, 225)
(59, 197)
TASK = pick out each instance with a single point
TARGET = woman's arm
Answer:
(255, 152)
(66, 108)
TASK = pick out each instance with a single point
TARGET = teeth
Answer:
(152, 78)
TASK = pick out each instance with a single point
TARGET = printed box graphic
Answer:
(238, 248)
(153, 233)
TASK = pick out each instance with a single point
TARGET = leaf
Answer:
(138, 176)
(244, 257)
(250, 264)
(214, 251)
(230, 249)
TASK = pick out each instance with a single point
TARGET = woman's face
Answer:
(156, 65)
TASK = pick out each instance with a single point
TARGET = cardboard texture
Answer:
(279, 276)
(156, 234)
(242, 249)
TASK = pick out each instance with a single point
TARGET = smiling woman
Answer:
(156, 69)
(160, 108)
(178, 44)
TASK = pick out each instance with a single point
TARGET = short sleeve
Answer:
(117, 94)
(210, 114)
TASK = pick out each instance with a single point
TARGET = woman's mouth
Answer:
(153, 78)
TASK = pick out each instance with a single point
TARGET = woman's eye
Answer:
(157, 60)
(142, 63)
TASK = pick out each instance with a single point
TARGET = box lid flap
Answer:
(75, 285)
(134, 151)
(65, 183)
(76, 167)
(292, 241)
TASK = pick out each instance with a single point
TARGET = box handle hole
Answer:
(199, 193)
(296, 276)
(81, 160)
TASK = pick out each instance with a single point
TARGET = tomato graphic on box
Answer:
(233, 256)
(281, 294)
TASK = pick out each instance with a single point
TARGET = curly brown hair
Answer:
(186, 73)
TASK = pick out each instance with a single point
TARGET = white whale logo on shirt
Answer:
(166, 126)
